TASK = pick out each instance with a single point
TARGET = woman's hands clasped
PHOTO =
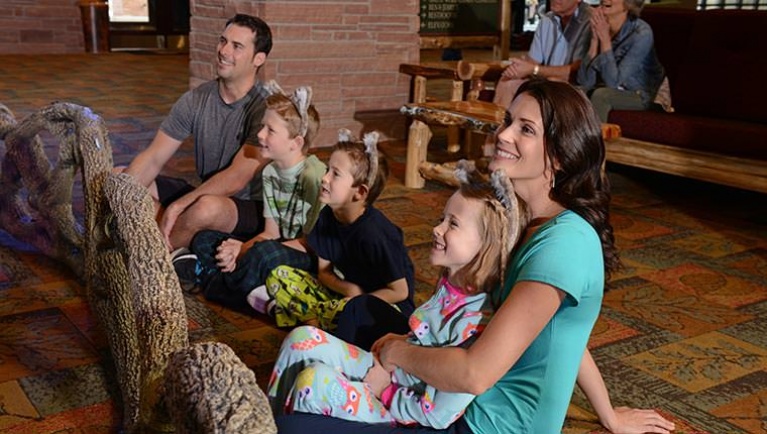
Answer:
(601, 40)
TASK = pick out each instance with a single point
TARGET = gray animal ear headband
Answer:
(370, 140)
(301, 99)
(465, 172)
(504, 192)
(371, 150)
(344, 135)
(516, 217)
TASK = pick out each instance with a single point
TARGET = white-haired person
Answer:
(621, 70)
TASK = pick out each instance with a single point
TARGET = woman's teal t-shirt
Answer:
(534, 395)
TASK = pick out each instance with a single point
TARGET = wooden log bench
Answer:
(748, 174)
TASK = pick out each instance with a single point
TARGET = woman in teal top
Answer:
(524, 365)
(563, 254)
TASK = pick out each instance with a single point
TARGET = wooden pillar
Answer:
(501, 51)
(95, 17)
(418, 138)
(454, 133)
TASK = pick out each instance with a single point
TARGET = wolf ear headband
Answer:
(466, 173)
(370, 140)
(301, 99)
(505, 201)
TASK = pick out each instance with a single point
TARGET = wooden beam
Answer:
(487, 71)
(743, 173)
(438, 42)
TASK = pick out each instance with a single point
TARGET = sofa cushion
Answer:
(671, 29)
(722, 72)
(724, 136)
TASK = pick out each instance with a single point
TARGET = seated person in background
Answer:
(359, 250)
(318, 373)
(223, 116)
(620, 70)
(227, 268)
(559, 44)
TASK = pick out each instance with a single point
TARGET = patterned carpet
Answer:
(684, 329)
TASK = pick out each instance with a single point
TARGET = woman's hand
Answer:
(635, 421)
(594, 46)
(227, 253)
(382, 349)
(377, 378)
(601, 28)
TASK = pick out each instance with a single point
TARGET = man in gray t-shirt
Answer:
(224, 117)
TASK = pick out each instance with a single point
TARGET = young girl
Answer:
(359, 250)
(318, 373)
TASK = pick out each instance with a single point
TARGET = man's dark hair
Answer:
(263, 34)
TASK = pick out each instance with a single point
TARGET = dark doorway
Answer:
(161, 25)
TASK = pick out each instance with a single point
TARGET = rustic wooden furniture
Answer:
(746, 173)
(478, 116)
(459, 75)
(420, 73)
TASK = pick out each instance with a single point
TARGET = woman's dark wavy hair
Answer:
(573, 143)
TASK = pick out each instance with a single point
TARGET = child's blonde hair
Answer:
(369, 166)
(502, 218)
(297, 111)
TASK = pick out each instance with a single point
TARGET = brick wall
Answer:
(40, 27)
(349, 51)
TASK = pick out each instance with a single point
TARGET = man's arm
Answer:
(527, 68)
(229, 181)
(225, 183)
(148, 164)
(561, 73)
